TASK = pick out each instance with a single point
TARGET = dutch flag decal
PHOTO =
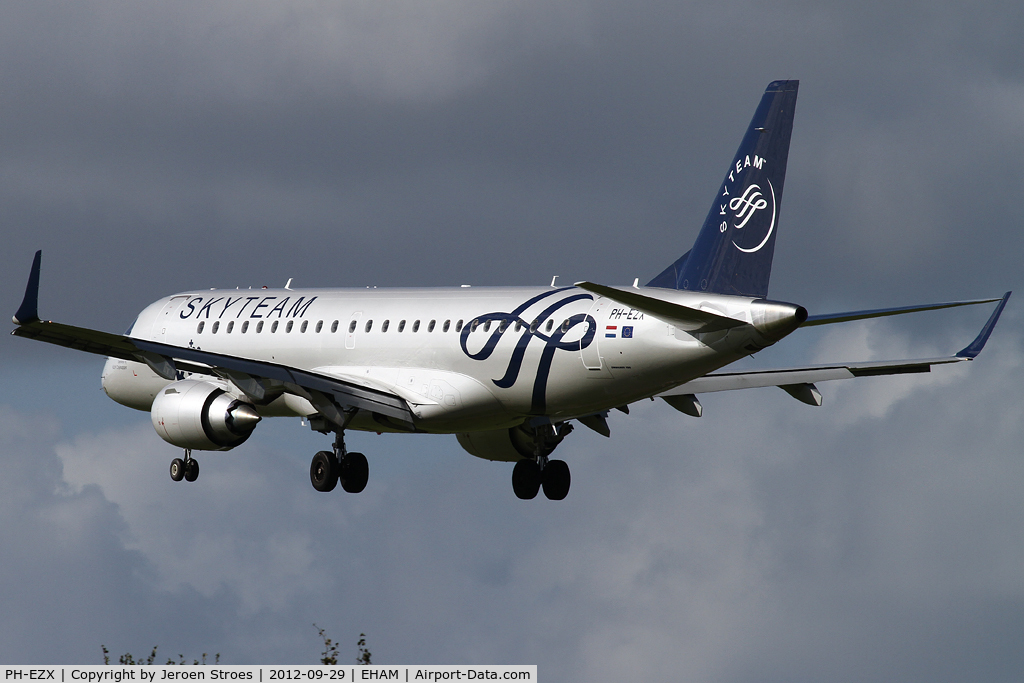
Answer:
(609, 331)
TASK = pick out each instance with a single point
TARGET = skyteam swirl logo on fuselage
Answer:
(552, 341)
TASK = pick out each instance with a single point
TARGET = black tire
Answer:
(323, 471)
(556, 480)
(526, 479)
(177, 469)
(191, 469)
(355, 472)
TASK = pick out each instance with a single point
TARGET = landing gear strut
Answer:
(329, 468)
(187, 469)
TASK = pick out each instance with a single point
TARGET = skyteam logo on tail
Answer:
(746, 206)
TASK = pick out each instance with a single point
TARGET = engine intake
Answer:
(202, 416)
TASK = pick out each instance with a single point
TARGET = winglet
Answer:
(28, 312)
(975, 347)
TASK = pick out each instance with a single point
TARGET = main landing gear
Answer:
(331, 467)
(187, 469)
(529, 476)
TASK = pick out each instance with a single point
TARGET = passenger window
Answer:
(384, 326)
(369, 325)
(288, 327)
(216, 326)
(565, 326)
(519, 325)
(534, 325)
(199, 330)
(259, 327)
(547, 328)
(334, 326)
(231, 326)
(430, 326)
(273, 328)
(503, 325)
(302, 328)
(319, 326)
(473, 325)
(416, 326)
(487, 326)
(352, 327)
(245, 327)
(447, 324)
(401, 326)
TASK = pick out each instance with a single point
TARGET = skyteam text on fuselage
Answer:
(508, 370)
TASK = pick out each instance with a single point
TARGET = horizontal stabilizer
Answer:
(683, 317)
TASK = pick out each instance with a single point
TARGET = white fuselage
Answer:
(468, 358)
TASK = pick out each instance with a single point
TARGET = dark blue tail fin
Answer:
(733, 252)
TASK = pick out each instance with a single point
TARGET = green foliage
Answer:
(127, 658)
(364, 654)
(328, 656)
(330, 653)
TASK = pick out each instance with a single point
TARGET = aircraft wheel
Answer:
(556, 480)
(191, 469)
(323, 471)
(355, 472)
(177, 469)
(526, 479)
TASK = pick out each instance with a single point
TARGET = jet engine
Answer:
(515, 443)
(202, 416)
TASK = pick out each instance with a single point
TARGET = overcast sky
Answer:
(149, 148)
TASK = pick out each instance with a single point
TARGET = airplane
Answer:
(508, 370)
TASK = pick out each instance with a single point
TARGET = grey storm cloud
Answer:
(153, 148)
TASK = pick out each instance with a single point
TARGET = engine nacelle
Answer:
(516, 443)
(202, 416)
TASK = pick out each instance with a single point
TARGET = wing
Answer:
(337, 399)
(799, 382)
